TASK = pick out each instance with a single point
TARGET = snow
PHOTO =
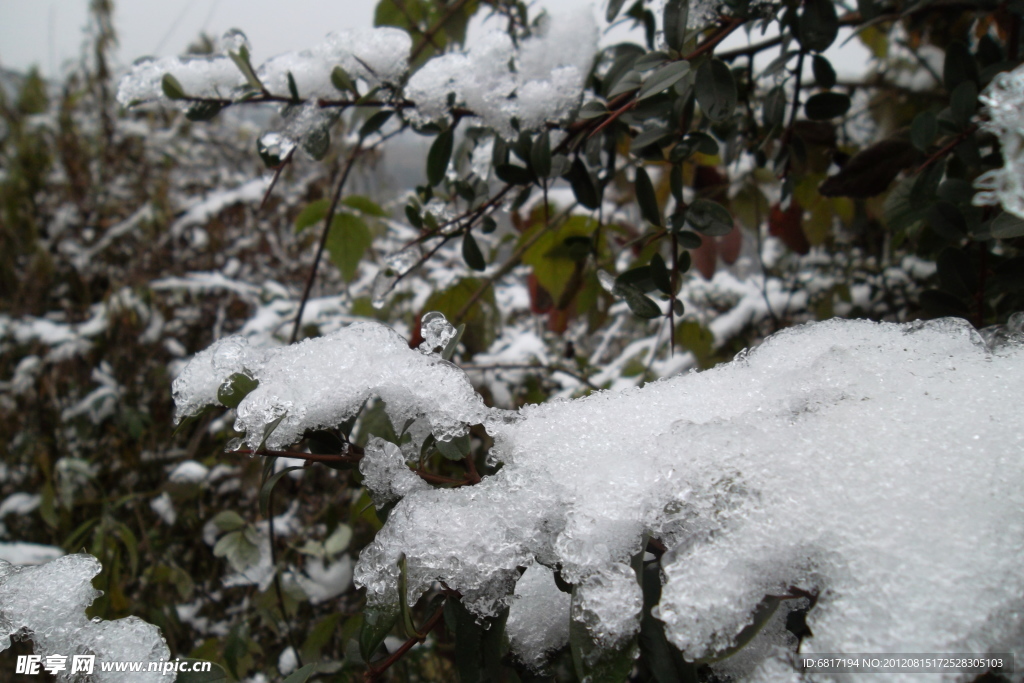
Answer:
(538, 619)
(20, 504)
(386, 474)
(21, 552)
(47, 604)
(203, 210)
(1004, 107)
(546, 85)
(189, 472)
(872, 464)
(322, 382)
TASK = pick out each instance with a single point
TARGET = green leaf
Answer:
(365, 206)
(688, 240)
(319, 636)
(653, 134)
(775, 107)
(715, 90)
(374, 123)
(203, 111)
(583, 185)
(826, 105)
(439, 156)
(676, 14)
(613, 9)
(923, 130)
(551, 256)
(664, 659)
(1007, 226)
(660, 275)
(471, 252)
(709, 218)
(313, 213)
(172, 88)
(347, 242)
(293, 89)
(593, 109)
(963, 101)
(646, 198)
(959, 66)
(449, 350)
(664, 78)
(824, 74)
(377, 623)
(818, 25)
(540, 155)
(342, 81)
(216, 674)
(228, 520)
(456, 449)
(638, 302)
(947, 220)
(241, 60)
(301, 675)
(268, 488)
(513, 175)
(403, 597)
(235, 388)
(412, 214)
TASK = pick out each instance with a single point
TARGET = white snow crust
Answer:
(877, 465)
(47, 604)
(546, 84)
(322, 382)
(1004, 105)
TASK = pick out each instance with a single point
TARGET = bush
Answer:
(587, 218)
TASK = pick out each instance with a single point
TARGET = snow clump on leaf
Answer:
(876, 466)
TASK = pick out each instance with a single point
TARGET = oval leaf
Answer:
(818, 25)
(471, 252)
(826, 105)
(646, 198)
(716, 90)
(663, 78)
(439, 155)
(709, 218)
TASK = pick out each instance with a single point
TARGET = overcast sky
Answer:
(48, 32)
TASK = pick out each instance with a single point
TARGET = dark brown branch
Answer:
(374, 672)
(948, 147)
(323, 237)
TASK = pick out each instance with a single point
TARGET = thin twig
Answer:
(277, 578)
(432, 31)
(323, 237)
(374, 672)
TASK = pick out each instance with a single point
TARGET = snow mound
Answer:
(875, 465)
(546, 85)
(47, 604)
(324, 381)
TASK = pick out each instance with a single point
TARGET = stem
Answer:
(373, 673)
(428, 36)
(277, 578)
(323, 237)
